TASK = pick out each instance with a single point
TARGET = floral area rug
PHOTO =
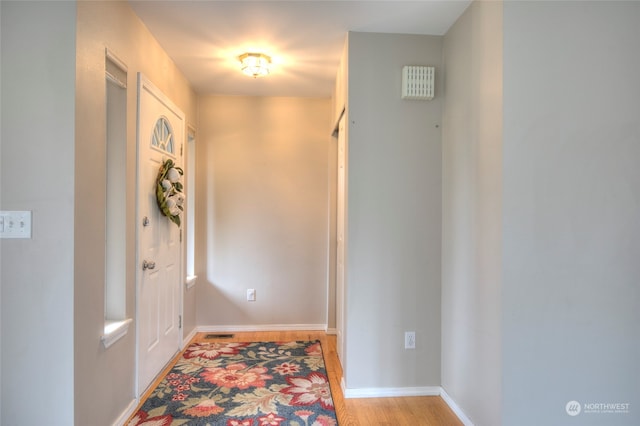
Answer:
(243, 384)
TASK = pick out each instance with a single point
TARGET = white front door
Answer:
(159, 249)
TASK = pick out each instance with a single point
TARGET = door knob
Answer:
(148, 264)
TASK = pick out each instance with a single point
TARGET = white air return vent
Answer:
(417, 82)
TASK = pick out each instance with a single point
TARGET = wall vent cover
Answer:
(417, 82)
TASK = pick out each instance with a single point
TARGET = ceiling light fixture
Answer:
(255, 64)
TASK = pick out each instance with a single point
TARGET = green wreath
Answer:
(169, 191)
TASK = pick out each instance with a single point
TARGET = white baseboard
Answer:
(331, 331)
(389, 392)
(407, 391)
(455, 408)
(261, 327)
(190, 336)
(126, 413)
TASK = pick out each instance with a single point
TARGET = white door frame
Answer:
(144, 82)
(341, 233)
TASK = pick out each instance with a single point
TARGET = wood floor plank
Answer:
(405, 411)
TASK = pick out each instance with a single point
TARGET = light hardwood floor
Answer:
(406, 411)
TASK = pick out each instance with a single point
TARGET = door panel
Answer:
(160, 137)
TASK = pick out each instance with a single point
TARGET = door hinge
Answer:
(179, 321)
(181, 145)
(181, 235)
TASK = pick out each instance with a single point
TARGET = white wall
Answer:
(262, 210)
(471, 218)
(394, 198)
(37, 174)
(104, 378)
(571, 293)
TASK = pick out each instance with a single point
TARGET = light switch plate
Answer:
(15, 224)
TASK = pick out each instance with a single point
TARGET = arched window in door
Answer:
(162, 137)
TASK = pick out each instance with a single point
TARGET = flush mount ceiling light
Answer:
(255, 64)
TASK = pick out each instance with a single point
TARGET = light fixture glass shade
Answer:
(255, 64)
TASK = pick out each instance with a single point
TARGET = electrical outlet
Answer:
(251, 294)
(409, 339)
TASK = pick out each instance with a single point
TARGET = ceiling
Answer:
(304, 38)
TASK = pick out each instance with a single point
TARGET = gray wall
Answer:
(472, 219)
(262, 211)
(571, 293)
(394, 199)
(37, 174)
